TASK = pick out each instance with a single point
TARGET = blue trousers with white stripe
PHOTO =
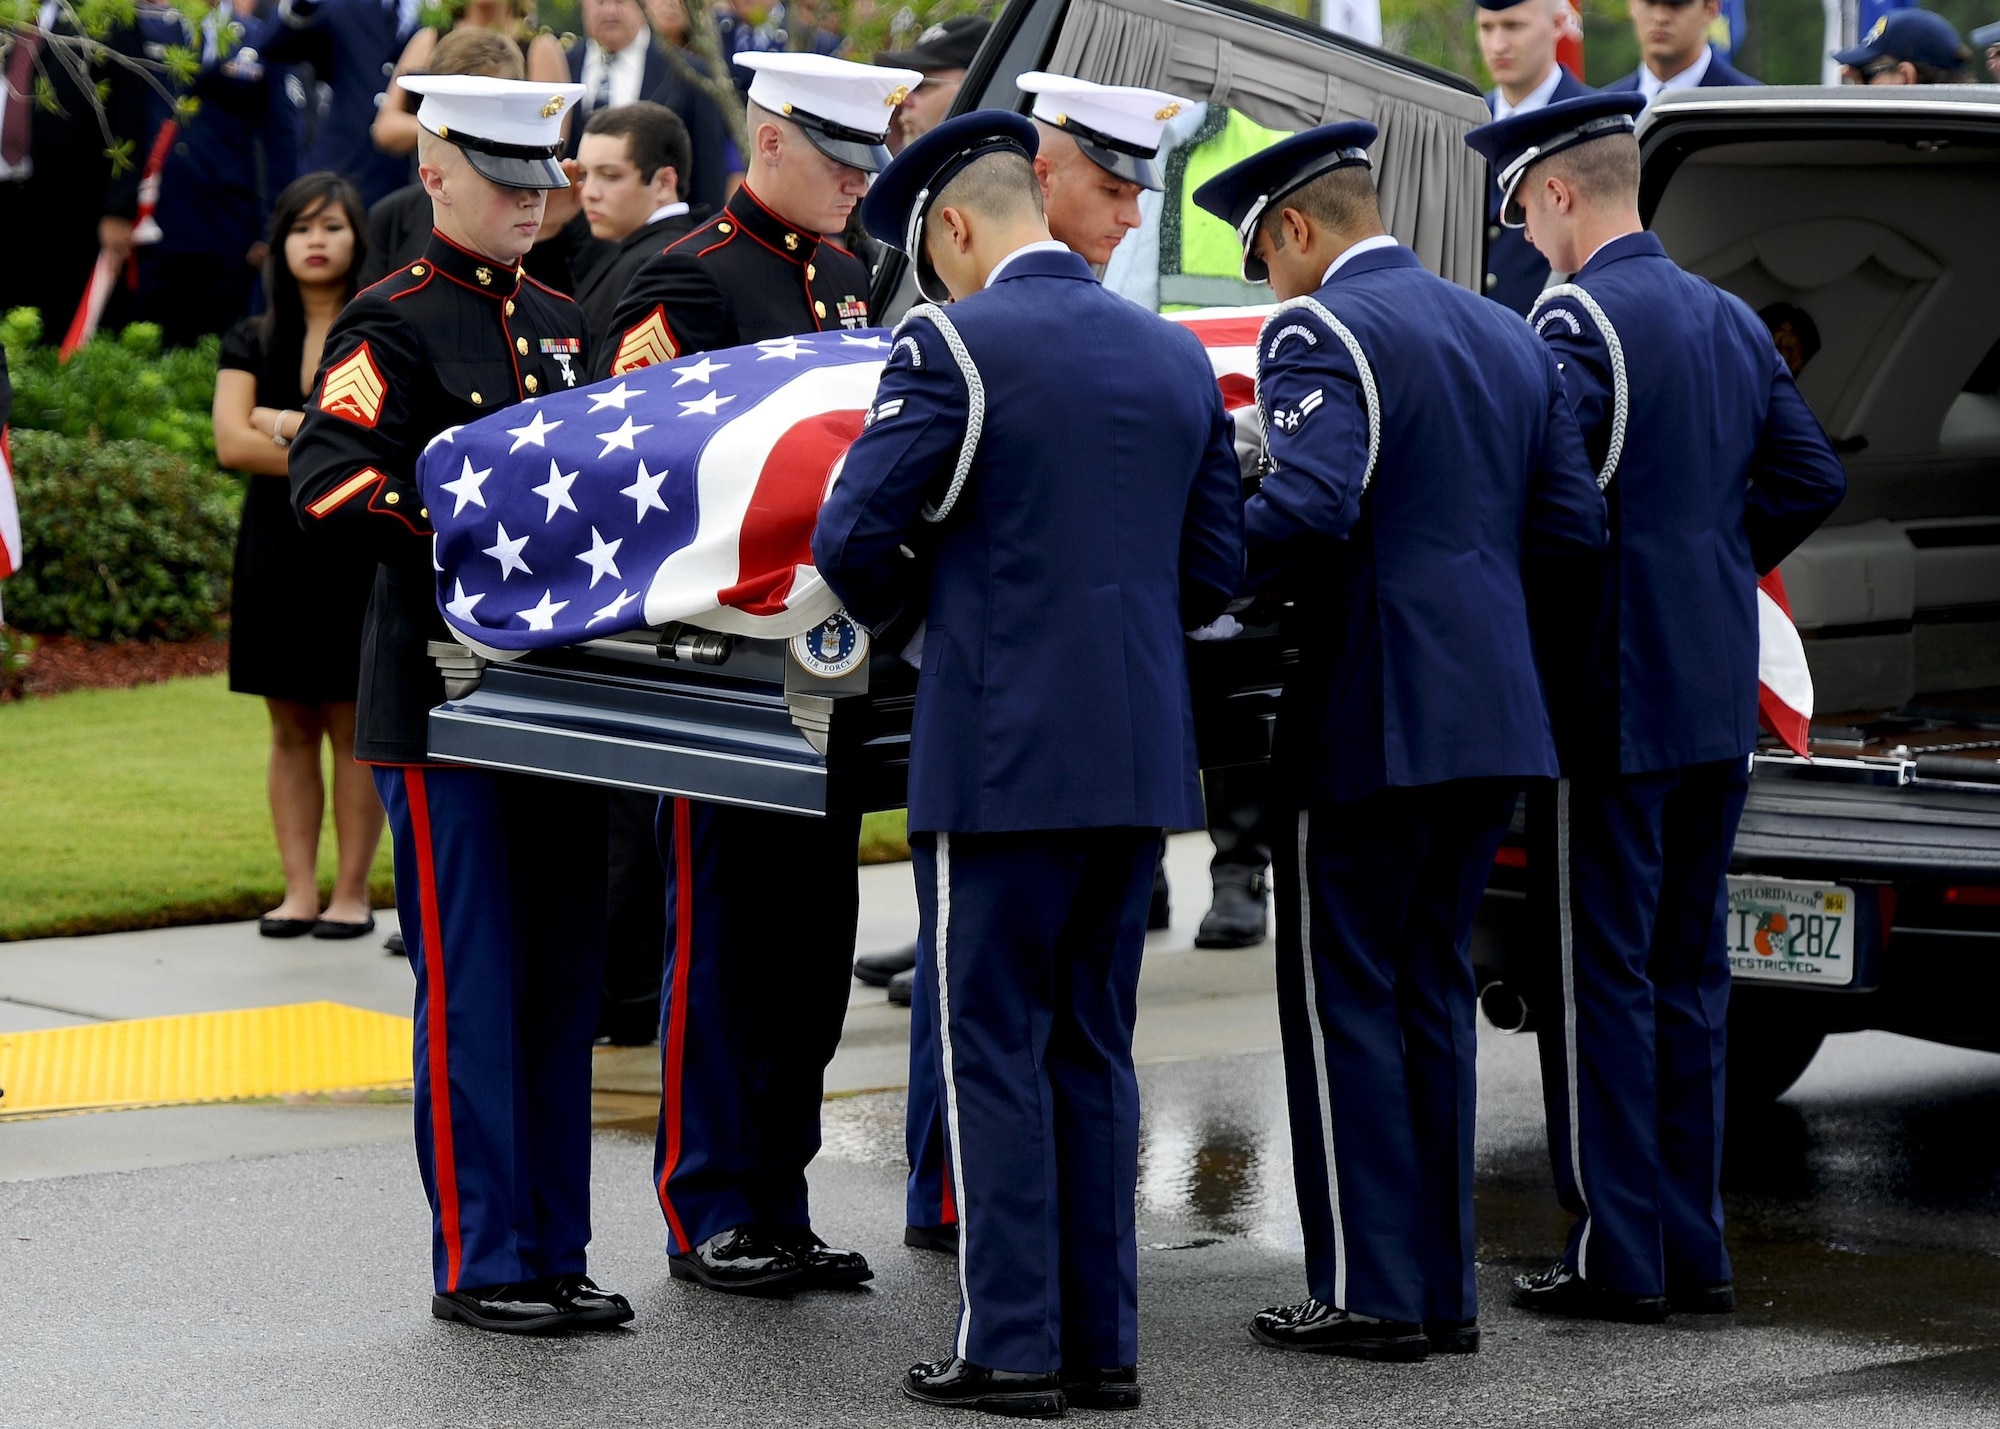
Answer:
(500, 888)
(1376, 1003)
(1029, 949)
(1629, 900)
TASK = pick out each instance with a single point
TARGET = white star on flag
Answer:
(848, 339)
(448, 434)
(508, 554)
(616, 397)
(466, 487)
(789, 348)
(601, 558)
(537, 429)
(702, 371)
(708, 406)
(623, 437)
(625, 598)
(645, 490)
(542, 614)
(556, 489)
(459, 607)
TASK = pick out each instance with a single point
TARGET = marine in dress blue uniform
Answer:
(1515, 272)
(1714, 469)
(1090, 515)
(1420, 451)
(500, 877)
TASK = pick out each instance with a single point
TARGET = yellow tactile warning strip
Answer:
(203, 1057)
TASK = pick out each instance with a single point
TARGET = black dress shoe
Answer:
(1102, 1388)
(1558, 1290)
(595, 1308)
(825, 1267)
(903, 988)
(741, 1261)
(944, 1238)
(1160, 912)
(528, 1309)
(1701, 1297)
(875, 969)
(336, 928)
(1453, 1337)
(393, 946)
(1319, 1328)
(1238, 917)
(955, 1384)
(285, 927)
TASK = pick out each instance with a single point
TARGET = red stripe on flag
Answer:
(1226, 332)
(776, 536)
(443, 1156)
(676, 1041)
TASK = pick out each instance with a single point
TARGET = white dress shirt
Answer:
(627, 71)
(1366, 245)
(1533, 99)
(1651, 85)
(665, 210)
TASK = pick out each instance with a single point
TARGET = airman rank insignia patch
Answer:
(353, 389)
(1289, 420)
(882, 412)
(645, 345)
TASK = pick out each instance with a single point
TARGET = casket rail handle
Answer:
(461, 667)
(685, 645)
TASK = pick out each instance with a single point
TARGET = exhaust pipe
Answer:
(1506, 1009)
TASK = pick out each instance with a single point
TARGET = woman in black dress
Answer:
(298, 600)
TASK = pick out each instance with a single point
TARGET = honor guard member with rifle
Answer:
(1062, 460)
(1112, 135)
(500, 877)
(1400, 525)
(1714, 469)
(756, 988)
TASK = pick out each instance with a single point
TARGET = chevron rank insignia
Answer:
(646, 345)
(1288, 419)
(353, 389)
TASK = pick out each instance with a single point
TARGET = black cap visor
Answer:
(1512, 215)
(929, 284)
(1116, 157)
(1254, 268)
(512, 166)
(852, 147)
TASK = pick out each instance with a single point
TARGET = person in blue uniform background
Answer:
(1400, 524)
(1714, 469)
(1098, 519)
(1517, 39)
(352, 47)
(1674, 49)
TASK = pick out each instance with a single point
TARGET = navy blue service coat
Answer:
(1101, 520)
(352, 46)
(1515, 270)
(1733, 472)
(1416, 664)
(1719, 75)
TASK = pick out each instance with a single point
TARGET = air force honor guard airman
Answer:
(500, 877)
(1420, 449)
(1714, 469)
(1064, 458)
(755, 989)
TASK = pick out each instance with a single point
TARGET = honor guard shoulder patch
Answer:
(646, 345)
(353, 389)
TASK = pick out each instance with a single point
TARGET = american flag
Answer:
(687, 492)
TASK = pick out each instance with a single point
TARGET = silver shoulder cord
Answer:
(1621, 393)
(1369, 394)
(975, 393)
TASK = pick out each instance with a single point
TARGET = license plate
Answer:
(1801, 933)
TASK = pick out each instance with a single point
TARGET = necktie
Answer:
(600, 97)
(17, 129)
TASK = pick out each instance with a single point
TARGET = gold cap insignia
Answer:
(444, 131)
(553, 107)
(1168, 112)
(1060, 120)
(792, 241)
(897, 95)
(1875, 33)
(484, 275)
(787, 108)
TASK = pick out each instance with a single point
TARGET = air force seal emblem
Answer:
(832, 648)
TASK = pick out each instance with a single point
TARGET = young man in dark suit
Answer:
(1674, 51)
(621, 62)
(631, 172)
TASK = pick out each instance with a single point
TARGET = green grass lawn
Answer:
(142, 808)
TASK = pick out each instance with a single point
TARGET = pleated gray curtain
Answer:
(1432, 186)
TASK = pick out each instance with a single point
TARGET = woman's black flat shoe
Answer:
(329, 928)
(286, 927)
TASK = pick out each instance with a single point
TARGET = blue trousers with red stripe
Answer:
(761, 912)
(500, 887)
(1028, 951)
(1376, 1004)
(1629, 900)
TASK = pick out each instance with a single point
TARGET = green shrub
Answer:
(114, 388)
(123, 540)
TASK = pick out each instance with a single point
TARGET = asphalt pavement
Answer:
(268, 1263)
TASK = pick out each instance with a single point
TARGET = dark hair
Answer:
(1342, 199)
(654, 135)
(1777, 315)
(283, 323)
(472, 51)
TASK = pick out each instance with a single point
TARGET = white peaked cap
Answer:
(1131, 118)
(510, 129)
(853, 96)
